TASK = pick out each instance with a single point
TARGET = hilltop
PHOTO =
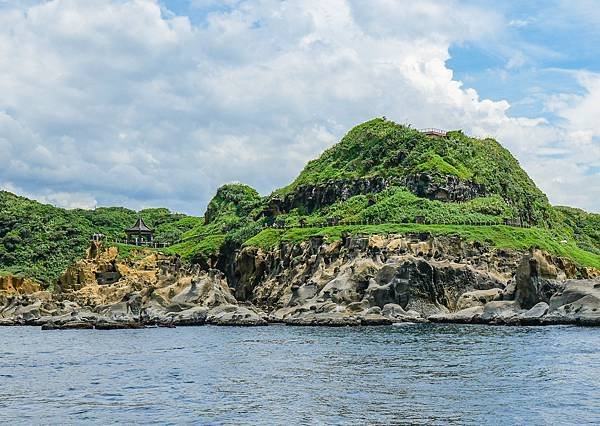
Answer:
(381, 178)
(379, 154)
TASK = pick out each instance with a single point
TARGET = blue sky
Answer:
(547, 40)
(157, 103)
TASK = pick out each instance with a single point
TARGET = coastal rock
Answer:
(499, 312)
(536, 280)
(470, 315)
(477, 298)
(320, 282)
(577, 303)
(148, 289)
(234, 315)
(534, 315)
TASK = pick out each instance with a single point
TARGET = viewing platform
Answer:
(433, 132)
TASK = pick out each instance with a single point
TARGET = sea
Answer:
(278, 375)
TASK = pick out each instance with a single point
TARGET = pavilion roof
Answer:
(139, 226)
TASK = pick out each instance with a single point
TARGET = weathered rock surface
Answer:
(368, 280)
(427, 185)
(104, 292)
(539, 295)
(359, 280)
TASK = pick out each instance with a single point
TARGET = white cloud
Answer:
(139, 107)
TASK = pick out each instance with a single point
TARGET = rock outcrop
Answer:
(150, 288)
(432, 186)
(359, 280)
(368, 280)
(540, 294)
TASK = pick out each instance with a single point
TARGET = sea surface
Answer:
(408, 374)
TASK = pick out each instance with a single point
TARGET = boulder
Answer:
(234, 315)
(470, 315)
(477, 298)
(534, 315)
(502, 311)
(578, 303)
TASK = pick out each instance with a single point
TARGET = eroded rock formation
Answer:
(358, 280)
(149, 288)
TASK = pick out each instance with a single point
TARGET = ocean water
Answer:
(409, 374)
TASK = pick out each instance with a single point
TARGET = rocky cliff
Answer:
(433, 186)
(358, 280)
(381, 280)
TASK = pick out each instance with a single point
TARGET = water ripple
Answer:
(417, 374)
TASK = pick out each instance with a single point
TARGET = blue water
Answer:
(411, 374)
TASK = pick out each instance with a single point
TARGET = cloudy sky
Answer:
(157, 103)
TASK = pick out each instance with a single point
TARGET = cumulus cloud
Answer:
(124, 102)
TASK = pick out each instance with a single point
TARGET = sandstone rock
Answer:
(535, 280)
(73, 325)
(477, 298)
(10, 284)
(500, 311)
(578, 303)
(534, 315)
(234, 315)
(470, 315)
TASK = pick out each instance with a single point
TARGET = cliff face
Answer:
(359, 280)
(380, 280)
(345, 280)
(431, 186)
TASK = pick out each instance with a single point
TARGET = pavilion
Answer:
(140, 233)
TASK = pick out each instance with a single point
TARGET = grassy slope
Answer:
(585, 227)
(496, 236)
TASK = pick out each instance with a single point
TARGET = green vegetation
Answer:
(39, 240)
(383, 148)
(584, 227)
(228, 221)
(399, 205)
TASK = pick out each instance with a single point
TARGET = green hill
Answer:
(455, 168)
(383, 177)
(229, 220)
(39, 240)
(380, 178)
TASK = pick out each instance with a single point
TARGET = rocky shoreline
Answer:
(358, 281)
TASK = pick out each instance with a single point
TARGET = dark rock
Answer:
(116, 325)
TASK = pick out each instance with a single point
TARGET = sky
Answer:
(145, 103)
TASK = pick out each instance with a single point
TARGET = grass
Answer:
(192, 250)
(499, 236)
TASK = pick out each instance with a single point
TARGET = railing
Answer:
(149, 244)
(510, 223)
(433, 131)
